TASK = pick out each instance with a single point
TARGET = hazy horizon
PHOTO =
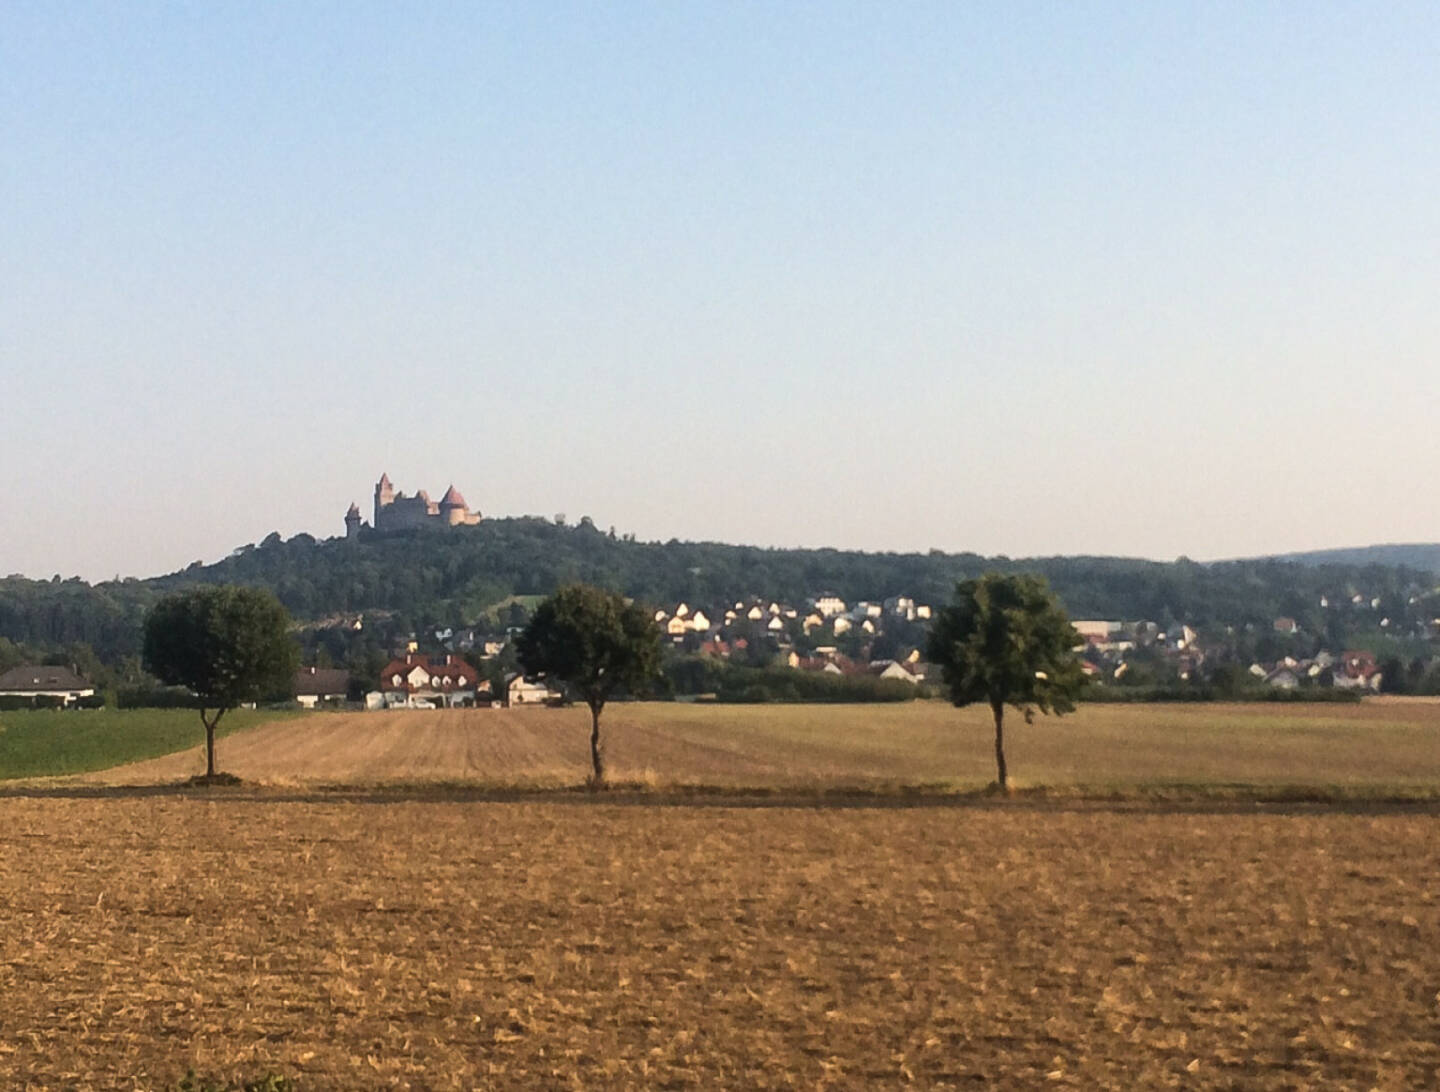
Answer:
(1115, 280)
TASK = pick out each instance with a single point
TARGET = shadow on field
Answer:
(1236, 799)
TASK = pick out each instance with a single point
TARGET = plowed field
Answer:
(439, 945)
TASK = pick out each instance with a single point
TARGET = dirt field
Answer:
(1375, 743)
(359, 945)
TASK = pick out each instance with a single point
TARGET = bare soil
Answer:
(448, 945)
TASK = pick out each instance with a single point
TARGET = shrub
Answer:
(154, 697)
(783, 684)
(1121, 695)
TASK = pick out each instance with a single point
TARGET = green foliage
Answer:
(1131, 695)
(597, 645)
(730, 681)
(155, 697)
(783, 684)
(1005, 640)
(225, 644)
(473, 574)
(593, 641)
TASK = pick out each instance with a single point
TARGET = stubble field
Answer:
(1372, 748)
(380, 943)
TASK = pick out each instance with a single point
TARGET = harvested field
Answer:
(1375, 744)
(372, 944)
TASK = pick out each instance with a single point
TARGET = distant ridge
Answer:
(1420, 555)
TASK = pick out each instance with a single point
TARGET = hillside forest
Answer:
(353, 601)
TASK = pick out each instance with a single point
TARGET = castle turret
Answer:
(384, 495)
(352, 523)
(453, 508)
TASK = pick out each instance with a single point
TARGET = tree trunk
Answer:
(596, 758)
(998, 708)
(210, 723)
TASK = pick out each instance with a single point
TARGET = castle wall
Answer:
(404, 513)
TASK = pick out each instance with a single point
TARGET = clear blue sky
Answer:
(1142, 279)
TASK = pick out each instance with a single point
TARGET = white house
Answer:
(522, 691)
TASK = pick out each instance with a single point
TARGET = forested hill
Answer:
(453, 577)
(1425, 556)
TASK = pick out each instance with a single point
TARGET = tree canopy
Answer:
(226, 645)
(1005, 640)
(597, 645)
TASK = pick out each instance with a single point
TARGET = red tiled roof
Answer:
(461, 674)
(452, 499)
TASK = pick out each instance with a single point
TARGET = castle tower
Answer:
(384, 496)
(352, 523)
(453, 508)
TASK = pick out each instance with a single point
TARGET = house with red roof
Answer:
(417, 681)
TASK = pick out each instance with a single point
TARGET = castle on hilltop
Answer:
(397, 512)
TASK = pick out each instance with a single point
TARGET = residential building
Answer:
(45, 681)
(522, 691)
(419, 681)
(318, 685)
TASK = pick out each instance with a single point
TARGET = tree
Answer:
(595, 643)
(225, 644)
(1005, 640)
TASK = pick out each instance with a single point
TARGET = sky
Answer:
(1015, 278)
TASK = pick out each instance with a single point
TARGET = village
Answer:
(882, 639)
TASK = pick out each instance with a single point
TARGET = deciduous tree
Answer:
(597, 645)
(1005, 640)
(225, 644)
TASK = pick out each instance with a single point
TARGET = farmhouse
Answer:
(45, 681)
